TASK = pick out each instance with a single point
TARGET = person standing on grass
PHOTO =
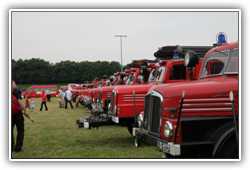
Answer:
(17, 119)
(68, 98)
(43, 101)
(32, 104)
(61, 98)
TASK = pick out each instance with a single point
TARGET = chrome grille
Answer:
(152, 107)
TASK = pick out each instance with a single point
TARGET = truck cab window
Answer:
(214, 66)
(178, 72)
(221, 62)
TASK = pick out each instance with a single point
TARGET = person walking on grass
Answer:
(68, 98)
(17, 120)
(43, 101)
(32, 104)
(61, 98)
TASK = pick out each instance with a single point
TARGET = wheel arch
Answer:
(223, 135)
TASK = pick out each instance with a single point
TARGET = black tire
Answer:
(229, 149)
(130, 129)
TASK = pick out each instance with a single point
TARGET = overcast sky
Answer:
(78, 36)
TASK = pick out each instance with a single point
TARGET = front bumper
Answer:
(83, 123)
(94, 121)
(164, 146)
(115, 119)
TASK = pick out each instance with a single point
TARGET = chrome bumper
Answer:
(164, 146)
(115, 119)
(169, 147)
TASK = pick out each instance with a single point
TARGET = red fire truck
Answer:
(36, 90)
(198, 118)
(128, 101)
(102, 95)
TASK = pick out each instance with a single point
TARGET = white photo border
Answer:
(124, 159)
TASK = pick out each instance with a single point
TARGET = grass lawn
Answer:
(54, 134)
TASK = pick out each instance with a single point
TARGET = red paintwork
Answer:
(205, 97)
(105, 92)
(129, 105)
(35, 91)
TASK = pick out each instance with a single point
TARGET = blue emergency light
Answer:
(221, 38)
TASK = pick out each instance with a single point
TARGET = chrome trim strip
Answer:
(206, 104)
(206, 109)
(199, 100)
(157, 94)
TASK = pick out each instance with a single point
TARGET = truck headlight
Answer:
(114, 97)
(109, 107)
(168, 129)
(140, 119)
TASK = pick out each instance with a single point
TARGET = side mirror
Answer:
(191, 59)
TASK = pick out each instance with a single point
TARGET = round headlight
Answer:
(109, 106)
(140, 119)
(168, 129)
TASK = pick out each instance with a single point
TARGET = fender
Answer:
(223, 134)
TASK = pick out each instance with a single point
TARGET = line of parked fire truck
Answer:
(185, 102)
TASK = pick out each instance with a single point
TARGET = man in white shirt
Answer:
(68, 98)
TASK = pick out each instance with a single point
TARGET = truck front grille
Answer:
(152, 113)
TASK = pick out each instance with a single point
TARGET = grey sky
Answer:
(78, 36)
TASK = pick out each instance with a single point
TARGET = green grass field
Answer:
(54, 134)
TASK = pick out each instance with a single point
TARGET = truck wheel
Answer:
(229, 149)
(136, 142)
(130, 130)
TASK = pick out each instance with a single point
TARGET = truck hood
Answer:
(127, 89)
(107, 88)
(216, 85)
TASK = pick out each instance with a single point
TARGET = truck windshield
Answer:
(161, 74)
(221, 62)
(130, 79)
(157, 75)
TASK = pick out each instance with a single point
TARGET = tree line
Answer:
(39, 71)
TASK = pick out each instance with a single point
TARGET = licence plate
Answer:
(86, 125)
(115, 119)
